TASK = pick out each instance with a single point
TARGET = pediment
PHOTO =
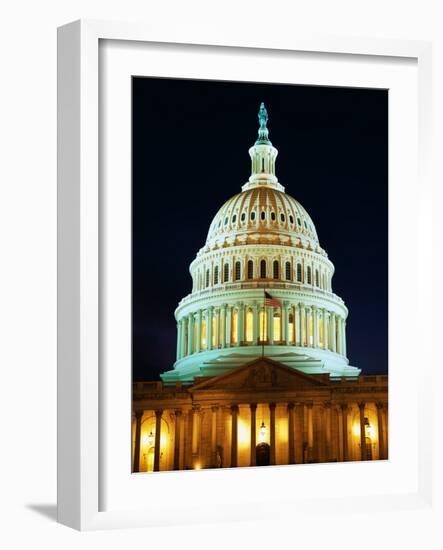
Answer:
(263, 374)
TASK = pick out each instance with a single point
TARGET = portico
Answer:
(263, 407)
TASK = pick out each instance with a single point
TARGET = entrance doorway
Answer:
(263, 454)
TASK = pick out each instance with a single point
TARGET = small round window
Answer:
(234, 218)
(243, 217)
(252, 216)
(291, 218)
(263, 215)
(282, 217)
(273, 216)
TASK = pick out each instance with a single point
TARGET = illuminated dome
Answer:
(261, 244)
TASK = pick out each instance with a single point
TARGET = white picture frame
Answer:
(80, 412)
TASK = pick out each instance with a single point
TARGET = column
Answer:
(158, 420)
(328, 430)
(223, 325)
(333, 332)
(361, 407)
(182, 338)
(339, 336)
(343, 336)
(285, 322)
(291, 429)
(178, 417)
(214, 410)
(228, 327)
(272, 432)
(302, 325)
(190, 333)
(234, 435)
(217, 328)
(255, 324)
(240, 323)
(177, 355)
(209, 327)
(310, 432)
(270, 327)
(199, 331)
(325, 330)
(138, 427)
(344, 413)
(381, 442)
(316, 323)
(297, 324)
(253, 408)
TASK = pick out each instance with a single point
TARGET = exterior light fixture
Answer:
(263, 431)
(148, 439)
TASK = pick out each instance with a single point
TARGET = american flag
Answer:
(270, 301)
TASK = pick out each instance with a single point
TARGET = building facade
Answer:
(261, 373)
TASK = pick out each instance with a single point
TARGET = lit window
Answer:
(291, 335)
(276, 327)
(275, 269)
(234, 326)
(250, 269)
(288, 271)
(249, 326)
(237, 271)
(203, 341)
(263, 269)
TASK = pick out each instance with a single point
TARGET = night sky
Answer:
(190, 154)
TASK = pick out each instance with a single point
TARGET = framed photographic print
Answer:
(231, 266)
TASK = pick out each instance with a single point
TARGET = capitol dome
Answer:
(261, 285)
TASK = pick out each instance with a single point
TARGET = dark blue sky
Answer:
(190, 154)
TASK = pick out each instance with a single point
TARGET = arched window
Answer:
(226, 273)
(273, 216)
(317, 278)
(263, 215)
(299, 276)
(275, 269)
(263, 269)
(250, 269)
(207, 278)
(288, 271)
(309, 275)
(243, 216)
(216, 275)
(282, 217)
(237, 271)
(234, 218)
(252, 216)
